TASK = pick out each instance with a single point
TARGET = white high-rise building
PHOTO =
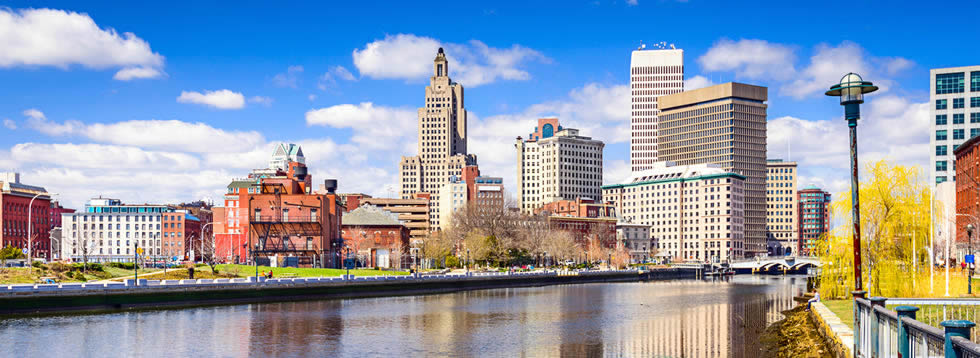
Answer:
(556, 163)
(781, 207)
(653, 73)
(954, 110)
(442, 140)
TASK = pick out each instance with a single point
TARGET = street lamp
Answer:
(30, 237)
(969, 237)
(467, 260)
(851, 90)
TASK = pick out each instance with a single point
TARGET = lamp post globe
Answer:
(851, 90)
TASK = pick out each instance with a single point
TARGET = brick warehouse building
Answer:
(274, 213)
(15, 197)
(377, 236)
(967, 181)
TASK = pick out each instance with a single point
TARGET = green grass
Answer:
(247, 271)
(121, 272)
(844, 309)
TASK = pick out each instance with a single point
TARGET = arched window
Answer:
(547, 131)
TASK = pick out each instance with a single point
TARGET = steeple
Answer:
(441, 65)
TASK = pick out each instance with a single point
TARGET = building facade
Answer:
(21, 204)
(556, 163)
(442, 139)
(412, 212)
(725, 125)
(637, 241)
(814, 218)
(954, 97)
(584, 207)
(452, 198)
(653, 73)
(109, 231)
(696, 212)
(376, 236)
(967, 186)
(781, 209)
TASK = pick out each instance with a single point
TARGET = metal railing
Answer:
(933, 311)
(882, 332)
(284, 219)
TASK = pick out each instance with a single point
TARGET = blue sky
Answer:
(113, 100)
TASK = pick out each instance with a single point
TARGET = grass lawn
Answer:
(121, 272)
(247, 271)
(18, 275)
(843, 309)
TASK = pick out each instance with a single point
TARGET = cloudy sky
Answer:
(168, 102)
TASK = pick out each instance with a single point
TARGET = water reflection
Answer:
(675, 319)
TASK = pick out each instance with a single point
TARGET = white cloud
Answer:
(829, 63)
(329, 79)
(409, 57)
(265, 101)
(9, 124)
(696, 82)
(98, 156)
(749, 58)
(37, 120)
(220, 99)
(342, 73)
(174, 135)
(289, 78)
(632, 2)
(130, 73)
(48, 37)
(373, 126)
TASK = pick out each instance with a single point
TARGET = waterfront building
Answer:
(488, 194)
(452, 198)
(583, 207)
(200, 245)
(653, 73)
(15, 210)
(954, 116)
(696, 212)
(108, 230)
(814, 218)
(412, 212)
(782, 230)
(637, 241)
(725, 125)
(967, 169)
(376, 236)
(441, 140)
(556, 163)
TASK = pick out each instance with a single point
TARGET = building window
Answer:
(974, 117)
(940, 179)
(941, 120)
(950, 83)
(975, 81)
(958, 134)
(974, 132)
(974, 102)
(941, 135)
(941, 149)
(940, 165)
(940, 104)
(958, 118)
(958, 103)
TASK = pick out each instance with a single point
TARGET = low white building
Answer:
(696, 212)
(452, 198)
(108, 231)
(636, 239)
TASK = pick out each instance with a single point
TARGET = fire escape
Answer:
(278, 230)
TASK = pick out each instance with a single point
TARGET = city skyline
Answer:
(154, 112)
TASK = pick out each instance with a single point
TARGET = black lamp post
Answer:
(851, 90)
(467, 260)
(969, 237)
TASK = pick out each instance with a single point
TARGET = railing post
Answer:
(875, 330)
(857, 320)
(955, 328)
(903, 333)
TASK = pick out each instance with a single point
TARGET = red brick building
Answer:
(16, 207)
(581, 207)
(181, 235)
(377, 237)
(967, 178)
(814, 217)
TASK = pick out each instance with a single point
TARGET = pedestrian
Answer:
(816, 298)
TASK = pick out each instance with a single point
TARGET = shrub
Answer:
(36, 264)
(122, 265)
(452, 261)
(200, 265)
(69, 274)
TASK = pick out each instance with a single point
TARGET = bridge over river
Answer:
(779, 264)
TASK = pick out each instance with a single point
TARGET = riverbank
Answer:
(794, 336)
(149, 294)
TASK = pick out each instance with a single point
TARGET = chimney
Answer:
(330, 185)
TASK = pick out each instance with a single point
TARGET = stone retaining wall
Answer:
(838, 336)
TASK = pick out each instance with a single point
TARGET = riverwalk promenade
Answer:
(148, 294)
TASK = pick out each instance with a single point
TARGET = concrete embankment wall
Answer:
(838, 336)
(36, 299)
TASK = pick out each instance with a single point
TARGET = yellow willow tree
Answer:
(894, 235)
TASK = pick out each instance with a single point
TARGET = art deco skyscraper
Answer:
(442, 140)
(653, 73)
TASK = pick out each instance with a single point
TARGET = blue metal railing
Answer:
(881, 332)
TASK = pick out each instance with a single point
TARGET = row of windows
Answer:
(957, 134)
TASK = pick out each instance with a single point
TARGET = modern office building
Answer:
(782, 232)
(725, 125)
(653, 73)
(108, 231)
(814, 218)
(442, 139)
(954, 110)
(696, 212)
(21, 204)
(556, 163)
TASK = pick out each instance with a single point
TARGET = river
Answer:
(640, 319)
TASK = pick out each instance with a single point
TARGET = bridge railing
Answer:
(882, 332)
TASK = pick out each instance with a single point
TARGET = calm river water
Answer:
(643, 319)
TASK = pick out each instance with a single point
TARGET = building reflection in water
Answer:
(673, 319)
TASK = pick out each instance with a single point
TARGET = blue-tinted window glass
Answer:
(959, 134)
(975, 81)
(547, 131)
(940, 150)
(974, 102)
(940, 165)
(958, 118)
(974, 117)
(974, 132)
(949, 83)
(940, 179)
(940, 104)
(940, 119)
(941, 135)
(958, 103)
